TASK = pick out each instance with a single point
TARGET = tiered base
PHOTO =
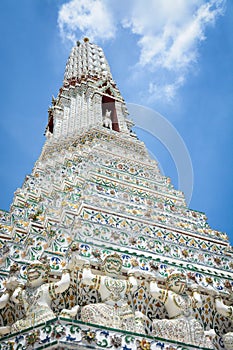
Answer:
(62, 333)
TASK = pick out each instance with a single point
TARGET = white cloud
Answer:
(166, 91)
(90, 17)
(169, 32)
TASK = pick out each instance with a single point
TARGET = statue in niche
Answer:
(181, 325)
(113, 310)
(48, 133)
(107, 121)
(36, 296)
(226, 311)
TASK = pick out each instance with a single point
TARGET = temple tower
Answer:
(89, 97)
(98, 249)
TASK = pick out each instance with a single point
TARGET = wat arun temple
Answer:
(98, 249)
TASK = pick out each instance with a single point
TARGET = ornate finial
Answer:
(85, 40)
(54, 100)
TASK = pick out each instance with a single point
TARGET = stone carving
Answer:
(227, 311)
(114, 310)
(36, 296)
(4, 298)
(4, 252)
(70, 313)
(107, 122)
(48, 133)
(10, 285)
(181, 325)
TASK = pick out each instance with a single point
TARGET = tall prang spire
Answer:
(88, 97)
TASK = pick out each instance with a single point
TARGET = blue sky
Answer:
(175, 57)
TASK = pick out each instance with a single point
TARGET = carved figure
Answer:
(114, 310)
(10, 285)
(4, 298)
(181, 325)
(48, 133)
(4, 252)
(227, 311)
(107, 122)
(36, 296)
